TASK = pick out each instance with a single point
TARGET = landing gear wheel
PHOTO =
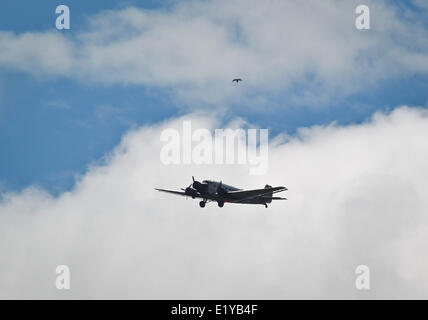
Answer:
(221, 204)
(202, 204)
(266, 206)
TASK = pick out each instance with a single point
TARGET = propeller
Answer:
(189, 191)
(190, 185)
(195, 184)
(198, 186)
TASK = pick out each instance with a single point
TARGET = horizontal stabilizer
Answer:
(275, 198)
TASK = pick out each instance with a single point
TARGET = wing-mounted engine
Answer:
(193, 189)
(189, 191)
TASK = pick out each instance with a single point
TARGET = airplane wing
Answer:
(179, 193)
(248, 194)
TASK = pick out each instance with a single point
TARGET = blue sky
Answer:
(44, 145)
(52, 128)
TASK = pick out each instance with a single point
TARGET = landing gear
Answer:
(266, 205)
(202, 204)
(221, 204)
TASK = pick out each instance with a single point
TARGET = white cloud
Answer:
(194, 49)
(39, 53)
(357, 196)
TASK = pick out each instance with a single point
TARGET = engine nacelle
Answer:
(191, 192)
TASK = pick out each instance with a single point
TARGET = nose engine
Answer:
(200, 187)
(205, 188)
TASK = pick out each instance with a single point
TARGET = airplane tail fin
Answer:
(268, 196)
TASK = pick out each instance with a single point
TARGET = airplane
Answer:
(213, 191)
(236, 80)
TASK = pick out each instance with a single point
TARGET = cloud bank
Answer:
(357, 196)
(308, 52)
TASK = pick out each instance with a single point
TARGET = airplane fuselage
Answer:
(220, 192)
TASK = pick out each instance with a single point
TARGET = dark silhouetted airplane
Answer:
(222, 193)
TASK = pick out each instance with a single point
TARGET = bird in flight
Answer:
(236, 80)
